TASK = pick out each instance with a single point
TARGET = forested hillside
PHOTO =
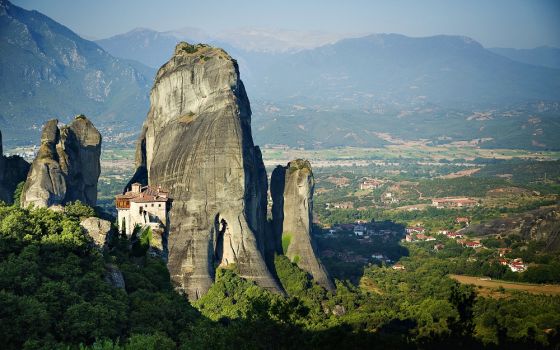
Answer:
(54, 292)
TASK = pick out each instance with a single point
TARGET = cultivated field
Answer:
(352, 156)
(492, 285)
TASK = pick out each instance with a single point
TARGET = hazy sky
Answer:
(504, 23)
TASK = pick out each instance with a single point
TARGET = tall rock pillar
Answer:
(292, 194)
(197, 143)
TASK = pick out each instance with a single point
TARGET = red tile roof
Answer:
(147, 194)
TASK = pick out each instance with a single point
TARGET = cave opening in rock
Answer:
(220, 226)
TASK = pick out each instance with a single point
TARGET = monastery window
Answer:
(140, 210)
(159, 205)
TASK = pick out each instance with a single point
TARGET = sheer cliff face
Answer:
(67, 166)
(197, 143)
(292, 194)
(13, 170)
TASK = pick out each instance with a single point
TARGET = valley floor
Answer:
(490, 285)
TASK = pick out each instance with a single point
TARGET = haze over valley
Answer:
(441, 89)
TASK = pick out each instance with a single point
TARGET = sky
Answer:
(495, 23)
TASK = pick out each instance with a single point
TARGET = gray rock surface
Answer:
(157, 244)
(541, 224)
(114, 276)
(98, 229)
(292, 194)
(67, 166)
(13, 170)
(196, 142)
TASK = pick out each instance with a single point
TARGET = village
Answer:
(378, 234)
(387, 230)
(403, 195)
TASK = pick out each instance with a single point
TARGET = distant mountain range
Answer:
(47, 71)
(154, 48)
(545, 56)
(448, 71)
(148, 46)
(383, 68)
(365, 91)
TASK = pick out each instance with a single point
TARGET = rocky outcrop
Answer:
(98, 229)
(114, 276)
(13, 170)
(197, 143)
(292, 195)
(67, 166)
(541, 224)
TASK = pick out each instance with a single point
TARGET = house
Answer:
(343, 205)
(430, 238)
(454, 235)
(398, 266)
(503, 262)
(370, 184)
(359, 230)
(388, 197)
(409, 238)
(517, 265)
(415, 229)
(442, 232)
(463, 220)
(421, 237)
(438, 247)
(143, 206)
(473, 244)
(453, 202)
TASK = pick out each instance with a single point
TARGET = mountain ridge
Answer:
(47, 71)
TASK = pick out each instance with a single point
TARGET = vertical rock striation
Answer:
(197, 143)
(292, 194)
(67, 165)
(13, 170)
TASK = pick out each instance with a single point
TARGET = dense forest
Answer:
(54, 293)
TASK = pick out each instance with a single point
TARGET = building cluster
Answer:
(363, 229)
(469, 244)
(515, 265)
(371, 184)
(416, 234)
(419, 237)
(341, 205)
(451, 234)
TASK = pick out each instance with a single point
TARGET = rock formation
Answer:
(292, 195)
(197, 143)
(541, 224)
(13, 170)
(114, 276)
(67, 166)
(98, 229)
